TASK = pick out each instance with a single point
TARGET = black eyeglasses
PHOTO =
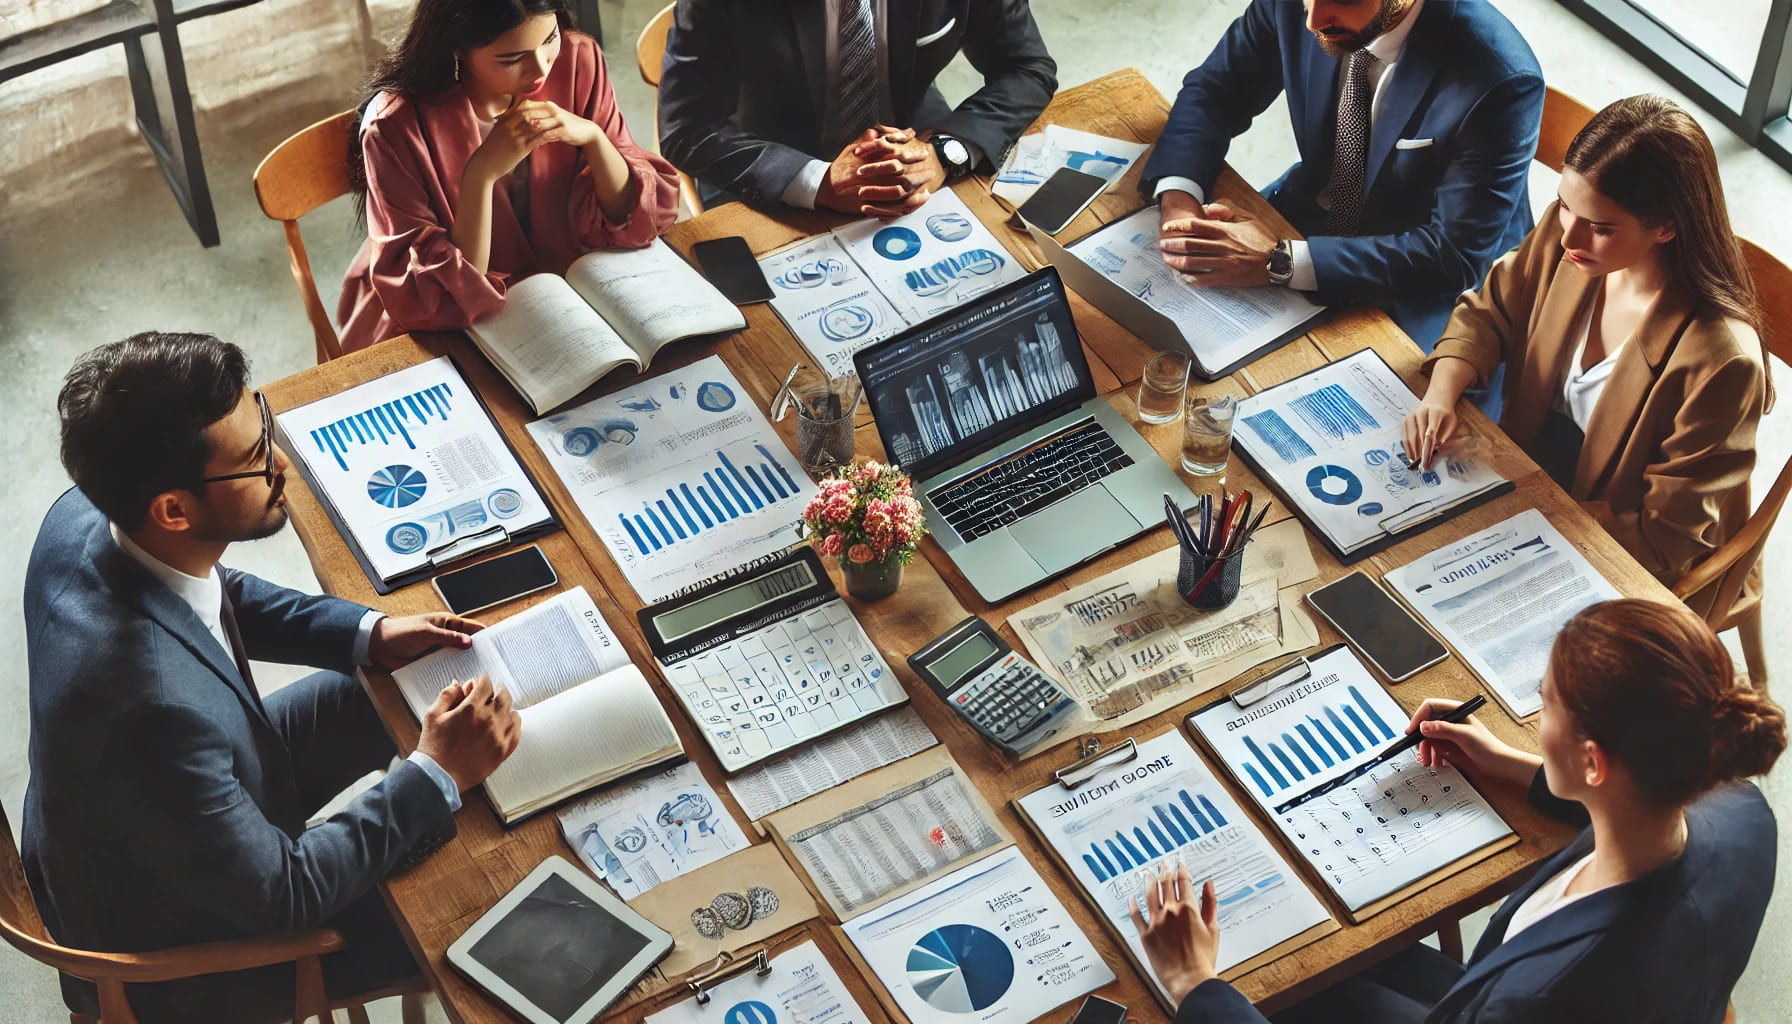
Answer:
(267, 445)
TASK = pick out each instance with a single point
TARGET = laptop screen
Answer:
(944, 390)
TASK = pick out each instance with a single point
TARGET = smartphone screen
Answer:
(1096, 1010)
(1060, 199)
(730, 266)
(495, 580)
(1378, 627)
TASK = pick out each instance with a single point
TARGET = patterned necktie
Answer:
(1350, 156)
(855, 103)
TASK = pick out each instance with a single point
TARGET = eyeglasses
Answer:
(267, 445)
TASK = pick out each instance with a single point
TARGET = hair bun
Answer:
(1748, 734)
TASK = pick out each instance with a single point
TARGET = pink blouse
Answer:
(410, 276)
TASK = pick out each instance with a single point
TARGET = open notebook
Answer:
(557, 336)
(589, 715)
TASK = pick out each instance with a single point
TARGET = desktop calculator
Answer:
(768, 659)
(1003, 695)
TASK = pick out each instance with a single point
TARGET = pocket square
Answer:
(1412, 143)
(934, 37)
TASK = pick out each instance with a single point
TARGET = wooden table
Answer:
(435, 902)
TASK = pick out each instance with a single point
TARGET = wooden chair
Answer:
(301, 174)
(1728, 567)
(21, 926)
(650, 53)
(1563, 118)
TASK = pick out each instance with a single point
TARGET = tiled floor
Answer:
(115, 257)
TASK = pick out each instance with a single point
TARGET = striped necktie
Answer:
(855, 103)
(1350, 156)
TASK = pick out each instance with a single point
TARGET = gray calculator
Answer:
(1003, 695)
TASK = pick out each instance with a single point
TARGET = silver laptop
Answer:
(1023, 471)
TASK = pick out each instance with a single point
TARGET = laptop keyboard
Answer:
(1027, 482)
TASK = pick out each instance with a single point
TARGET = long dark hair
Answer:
(423, 63)
(1651, 157)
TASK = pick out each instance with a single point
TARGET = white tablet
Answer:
(558, 948)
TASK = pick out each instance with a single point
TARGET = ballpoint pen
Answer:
(1455, 716)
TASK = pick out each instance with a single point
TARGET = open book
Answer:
(556, 336)
(589, 715)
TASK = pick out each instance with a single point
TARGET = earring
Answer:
(457, 67)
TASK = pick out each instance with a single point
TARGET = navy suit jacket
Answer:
(1665, 948)
(744, 92)
(163, 806)
(1435, 217)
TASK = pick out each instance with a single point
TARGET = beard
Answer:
(1343, 45)
(266, 522)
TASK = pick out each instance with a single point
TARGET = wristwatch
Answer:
(954, 156)
(1281, 263)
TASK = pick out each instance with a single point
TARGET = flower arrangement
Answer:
(866, 513)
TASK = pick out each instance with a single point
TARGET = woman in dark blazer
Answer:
(1649, 916)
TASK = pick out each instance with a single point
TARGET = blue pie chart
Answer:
(960, 968)
(1334, 485)
(396, 486)
(896, 243)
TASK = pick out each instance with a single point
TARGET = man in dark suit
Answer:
(1416, 122)
(831, 103)
(168, 799)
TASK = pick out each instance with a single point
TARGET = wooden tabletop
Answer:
(435, 902)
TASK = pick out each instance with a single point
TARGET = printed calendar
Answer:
(766, 660)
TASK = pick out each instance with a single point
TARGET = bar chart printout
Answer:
(1162, 808)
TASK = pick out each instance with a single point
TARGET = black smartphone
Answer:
(730, 266)
(1381, 630)
(496, 580)
(1096, 1010)
(1060, 199)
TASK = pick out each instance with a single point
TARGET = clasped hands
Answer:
(884, 172)
(1212, 245)
(525, 127)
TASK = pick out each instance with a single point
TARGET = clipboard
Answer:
(440, 557)
(1396, 526)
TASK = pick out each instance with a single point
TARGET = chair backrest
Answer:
(18, 911)
(650, 56)
(301, 174)
(1563, 118)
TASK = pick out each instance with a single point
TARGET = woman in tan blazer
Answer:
(1630, 328)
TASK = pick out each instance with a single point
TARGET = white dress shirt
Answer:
(205, 595)
(1581, 388)
(1387, 48)
(1550, 897)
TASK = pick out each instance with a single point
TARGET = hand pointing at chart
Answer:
(1183, 940)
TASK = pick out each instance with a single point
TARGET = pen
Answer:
(1456, 716)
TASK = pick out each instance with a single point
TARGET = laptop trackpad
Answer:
(1088, 521)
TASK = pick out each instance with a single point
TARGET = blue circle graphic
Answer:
(580, 441)
(750, 1012)
(896, 243)
(960, 968)
(949, 227)
(505, 502)
(396, 486)
(1334, 485)
(406, 538)
(844, 323)
(1369, 508)
(713, 397)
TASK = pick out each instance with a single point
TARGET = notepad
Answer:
(588, 714)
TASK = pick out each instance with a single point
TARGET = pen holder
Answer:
(1221, 591)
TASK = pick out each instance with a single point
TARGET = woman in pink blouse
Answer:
(491, 149)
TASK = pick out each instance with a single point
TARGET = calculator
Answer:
(769, 658)
(1003, 695)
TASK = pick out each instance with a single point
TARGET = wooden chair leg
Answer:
(1730, 1014)
(357, 1014)
(1449, 940)
(310, 1002)
(410, 1008)
(1754, 651)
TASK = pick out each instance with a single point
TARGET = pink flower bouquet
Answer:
(866, 513)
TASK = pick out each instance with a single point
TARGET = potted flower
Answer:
(867, 515)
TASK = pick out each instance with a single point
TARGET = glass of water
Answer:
(1161, 387)
(1207, 433)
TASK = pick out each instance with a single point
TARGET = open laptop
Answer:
(1022, 470)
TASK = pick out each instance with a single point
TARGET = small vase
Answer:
(871, 581)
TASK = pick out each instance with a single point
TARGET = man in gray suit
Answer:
(168, 799)
(831, 103)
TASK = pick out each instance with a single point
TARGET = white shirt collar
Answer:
(204, 594)
(1388, 46)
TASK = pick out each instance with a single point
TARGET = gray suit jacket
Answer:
(744, 92)
(164, 807)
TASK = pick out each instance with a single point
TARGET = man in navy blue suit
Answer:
(1416, 122)
(168, 799)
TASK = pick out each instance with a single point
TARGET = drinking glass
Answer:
(1207, 433)
(1161, 387)
(824, 437)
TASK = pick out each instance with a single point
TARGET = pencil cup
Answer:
(822, 443)
(1221, 591)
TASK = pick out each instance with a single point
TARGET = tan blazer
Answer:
(1671, 443)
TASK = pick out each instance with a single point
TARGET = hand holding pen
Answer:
(1443, 738)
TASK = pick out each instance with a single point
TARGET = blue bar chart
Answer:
(1172, 824)
(706, 494)
(1302, 750)
(384, 424)
(1332, 412)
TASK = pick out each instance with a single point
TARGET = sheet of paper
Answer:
(802, 988)
(652, 296)
(931, 260)
(1385, 830)
(638, 835)
(826, 763)
(1127, 646)
(1500, 597)
(1332, 440)
(986, 942)
(680, 475)
(1036, 157)
(410, 462)
(827, 302)
(1162, 808)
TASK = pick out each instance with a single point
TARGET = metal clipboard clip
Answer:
(1295, 670)
(466, 547)
(760, 963)
(1091, 760)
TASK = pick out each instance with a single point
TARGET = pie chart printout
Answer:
(1334, 485)
(960, 968)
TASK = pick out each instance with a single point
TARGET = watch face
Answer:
(955, 153)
